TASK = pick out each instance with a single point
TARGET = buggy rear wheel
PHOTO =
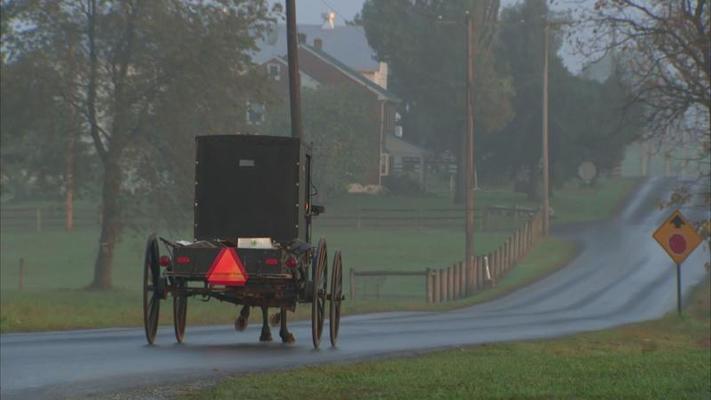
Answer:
(336, 297)
(151, 289)
(318, 300)
(180, 311)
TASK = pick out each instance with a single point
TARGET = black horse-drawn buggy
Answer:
(252, 235)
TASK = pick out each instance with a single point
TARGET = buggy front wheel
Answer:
(151, 289)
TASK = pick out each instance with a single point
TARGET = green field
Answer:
(663, 359)
(53, 297)
(59, 265)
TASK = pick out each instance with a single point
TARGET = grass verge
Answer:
(58, 264)
(663, 359)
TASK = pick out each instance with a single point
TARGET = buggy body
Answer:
(252, 236)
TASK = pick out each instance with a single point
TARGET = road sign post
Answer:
(678, 288)
(679, 239)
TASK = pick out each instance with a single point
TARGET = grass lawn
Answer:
(574, 203)
(58, 309)
(663, 359)
(59, 265)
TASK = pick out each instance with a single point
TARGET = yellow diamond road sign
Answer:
(677, 237)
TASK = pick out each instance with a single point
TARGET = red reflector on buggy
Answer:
(291, 262)
(227, 269)
(164, 261)
(183, 260)
(272, 261)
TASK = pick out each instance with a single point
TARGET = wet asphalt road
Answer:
(620, 276)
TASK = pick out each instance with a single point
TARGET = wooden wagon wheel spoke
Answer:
(336, 297)
(151, 289)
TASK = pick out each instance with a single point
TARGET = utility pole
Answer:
(469, 144)
(292, 45)
(546, 191)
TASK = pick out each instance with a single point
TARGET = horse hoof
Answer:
(265, 337)
(241, 323)
(288, 338)
(275, 319)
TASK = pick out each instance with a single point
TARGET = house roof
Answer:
(395, 145)
(354, 75)
(346, 43)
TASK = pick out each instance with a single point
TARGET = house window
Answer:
(256, 113)
(274, 71)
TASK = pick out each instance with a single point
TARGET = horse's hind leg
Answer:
(242, 319)
(286, 336)
(266, 335)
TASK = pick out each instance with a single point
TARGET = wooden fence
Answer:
(50, 218)
(457, 281)
(405, 218)
(47, 218)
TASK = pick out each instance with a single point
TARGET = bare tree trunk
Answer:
(110, 222)
(69, 180)
(110, 228)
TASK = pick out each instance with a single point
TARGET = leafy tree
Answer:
(33, 125)
(669, 57)
(146, 76)
(587, 120)
(424, 43)
(338, 124)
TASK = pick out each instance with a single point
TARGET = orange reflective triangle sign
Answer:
(227, 269)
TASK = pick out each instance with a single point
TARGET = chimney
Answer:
(302, 37)
(318, 43)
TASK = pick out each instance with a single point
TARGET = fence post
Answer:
(507, 247)
(531, 228)
(528, 237)
(517, 247)
(462, 279)
(481, 272)
(510, 246)
(428, 285)
(436, 286)
(21, 272)
(353, 284)
(470, 282)
(450, 288)
(515, 216)
(457, 281)
(443, 285)
(477, 274)
(488, 274)
(452, 285)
